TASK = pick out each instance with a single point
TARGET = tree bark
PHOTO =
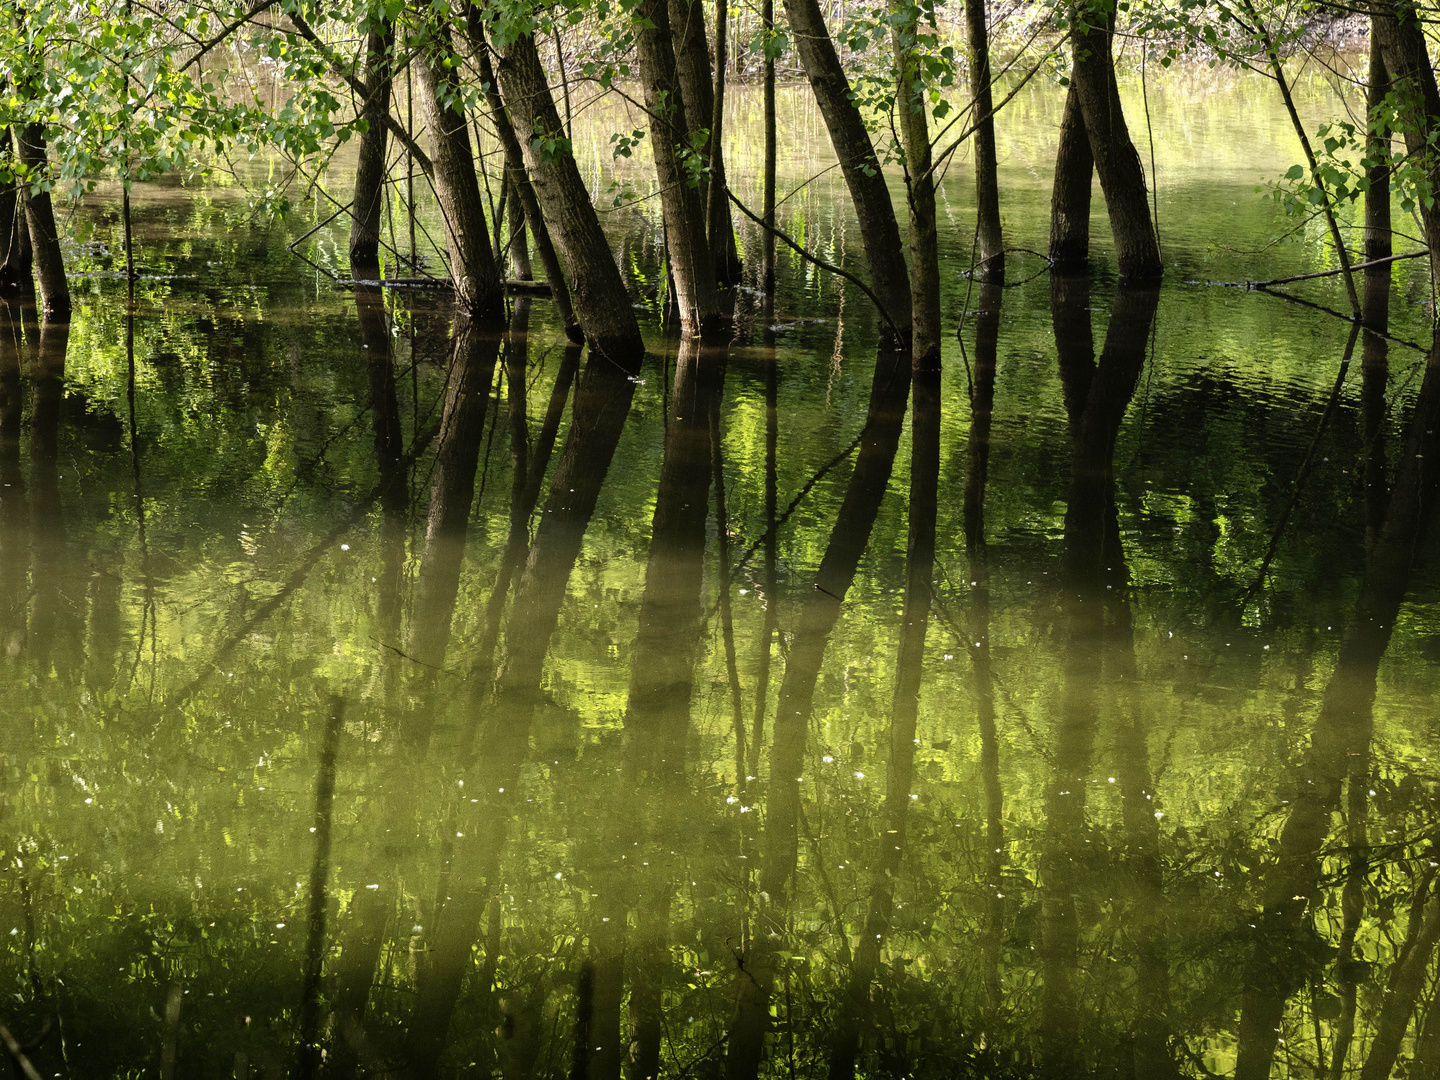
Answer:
(681, 204)
(370, 168)
(44, 235)
(597, 291)
(478, 289)
(868, 191)
(987, 184)
(1122, 179)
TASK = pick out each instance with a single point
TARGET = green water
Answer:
(250, 564)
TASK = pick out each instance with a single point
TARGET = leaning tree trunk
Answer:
(987, 183)
(1122, 179)
(44, 235)
(868, 191)
(523, 192)
(602, 305)
(680, 200)
(370, 169)
(478, 289)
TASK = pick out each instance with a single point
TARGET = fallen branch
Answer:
(1320, 273)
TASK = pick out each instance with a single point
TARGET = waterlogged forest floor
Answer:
(225, 593)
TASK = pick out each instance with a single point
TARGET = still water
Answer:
(379, 699)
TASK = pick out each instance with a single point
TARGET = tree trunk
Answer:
(719, 227)
(987, 184)
(370, 168)
(44, 235)
(602, 305)
(911, 105)
(523, 191)
(518, 244)
(681, 204)
(868, 191)
(478, 289)
(1378, 241)
(767, 237)
(1406, 59)
(15, 253)
(1070, 199)
(1122, 179)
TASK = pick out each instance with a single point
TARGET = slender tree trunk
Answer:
(868, 191)
(681, 204)
(720, 228)
(1070, 200)
(1378, 240)
(518, 243)
(478, 289)
(987, 183)
(15, 253)
(1122, 178)
(767, 237)
(911, 104)
(44, 234)
(370, 168)
(597, 291)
